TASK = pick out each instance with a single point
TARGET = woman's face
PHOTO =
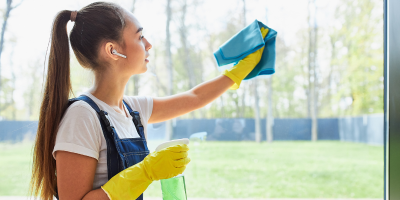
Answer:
(136, 46)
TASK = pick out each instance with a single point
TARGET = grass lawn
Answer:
(324, 169)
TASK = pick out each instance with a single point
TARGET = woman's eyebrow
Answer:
(140, 29)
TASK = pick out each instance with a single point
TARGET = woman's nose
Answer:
(148, 45)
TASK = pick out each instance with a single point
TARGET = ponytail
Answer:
(55, 99)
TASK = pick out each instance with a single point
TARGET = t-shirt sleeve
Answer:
(79, 131)
(143, 104)
(149, 107)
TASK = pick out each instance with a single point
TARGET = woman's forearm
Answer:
(166, 108)
(210, 90)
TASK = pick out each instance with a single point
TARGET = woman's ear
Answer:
(109, 47)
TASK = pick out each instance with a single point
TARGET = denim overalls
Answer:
(121, 153)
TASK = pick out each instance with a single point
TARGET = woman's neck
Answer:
(109, 87)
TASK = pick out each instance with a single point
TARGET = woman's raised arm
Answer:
(165, 108)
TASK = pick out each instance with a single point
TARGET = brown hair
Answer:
(94, 24)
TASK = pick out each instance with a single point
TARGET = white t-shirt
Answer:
(80, 130)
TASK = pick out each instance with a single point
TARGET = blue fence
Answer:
(366, 129)
(244, 129)
(17, 130)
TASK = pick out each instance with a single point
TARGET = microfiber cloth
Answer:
(245, 42)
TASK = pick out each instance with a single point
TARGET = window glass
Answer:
(313, 129)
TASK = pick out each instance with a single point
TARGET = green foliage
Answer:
(7, 109)
(34, 93)
(289, 81)
(350, 84)
(358, 48)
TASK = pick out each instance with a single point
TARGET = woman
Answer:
(72, 158)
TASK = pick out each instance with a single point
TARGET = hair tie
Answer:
(73, 15)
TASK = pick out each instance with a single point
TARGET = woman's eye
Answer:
(141, 36)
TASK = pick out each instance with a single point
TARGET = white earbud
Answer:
(118, 54)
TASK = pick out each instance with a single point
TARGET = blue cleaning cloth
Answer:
(245, 42)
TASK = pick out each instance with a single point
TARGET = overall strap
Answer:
(136, 120)
(103, 115)
(109, 135)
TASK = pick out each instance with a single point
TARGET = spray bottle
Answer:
(173, 188)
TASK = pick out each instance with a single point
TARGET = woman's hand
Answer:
(167, 163)
(133, 181)
(243, 68)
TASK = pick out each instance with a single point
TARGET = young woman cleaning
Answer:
(94, 146)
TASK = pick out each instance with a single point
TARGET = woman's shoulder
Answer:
(80, 118)
(80, 110)
(79, 131)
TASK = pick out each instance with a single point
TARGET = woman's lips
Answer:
(146, 60)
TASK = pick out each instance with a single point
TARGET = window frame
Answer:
(392, 99)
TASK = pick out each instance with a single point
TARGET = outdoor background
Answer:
(314, 129)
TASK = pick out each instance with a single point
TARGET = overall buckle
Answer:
(106, 119)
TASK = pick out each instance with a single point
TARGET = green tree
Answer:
(357, 58)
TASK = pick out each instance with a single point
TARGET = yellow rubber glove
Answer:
(133, 181)
(243, 68)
